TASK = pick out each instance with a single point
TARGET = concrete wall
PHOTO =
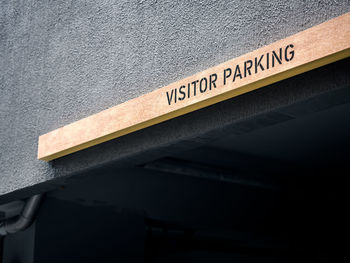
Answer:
(61, 61)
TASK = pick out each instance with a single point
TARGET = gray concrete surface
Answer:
(61, 61)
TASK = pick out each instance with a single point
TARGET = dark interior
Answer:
(273, 189)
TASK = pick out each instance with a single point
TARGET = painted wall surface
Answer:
(61, 61)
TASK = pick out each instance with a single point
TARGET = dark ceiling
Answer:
(266, 185)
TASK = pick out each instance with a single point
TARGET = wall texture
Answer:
(61, 61)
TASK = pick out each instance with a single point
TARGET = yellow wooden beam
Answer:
(304, 51)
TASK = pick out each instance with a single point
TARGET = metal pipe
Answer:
(24, 220)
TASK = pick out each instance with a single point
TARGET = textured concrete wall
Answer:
(61, 61)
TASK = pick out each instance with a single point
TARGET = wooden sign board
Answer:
(304, 51)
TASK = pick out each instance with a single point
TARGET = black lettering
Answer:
(227, 76)
(203, 88)
(258, 64)
(212, 79)
(237, 73)
(170, 97)
(247, 68)
(267, 60)
(195, 87)
(279, 59)
(188, 90)
(183, 94)
(289, 56)
(175, 95)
